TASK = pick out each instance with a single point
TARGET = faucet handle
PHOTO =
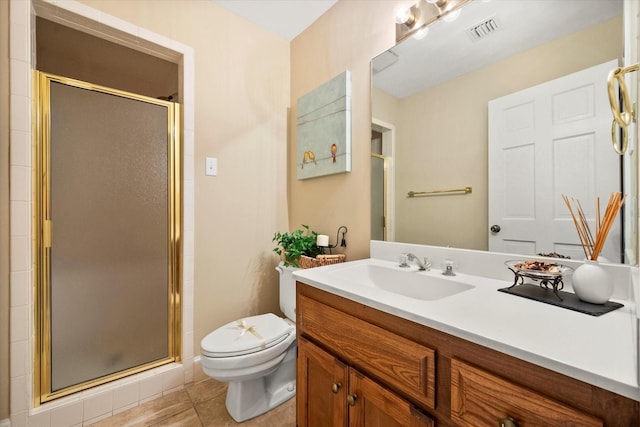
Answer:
(448, 267)
(427, 263)
(402, 261)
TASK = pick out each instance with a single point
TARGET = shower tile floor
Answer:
(197, 405)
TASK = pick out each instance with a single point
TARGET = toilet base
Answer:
(248, 399)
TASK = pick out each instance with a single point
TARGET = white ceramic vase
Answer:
(592, 283)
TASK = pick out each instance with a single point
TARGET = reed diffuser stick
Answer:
(581, 234)
(597, 215)
(585, 222)
(592, 247)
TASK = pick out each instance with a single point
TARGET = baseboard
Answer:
(5, 423)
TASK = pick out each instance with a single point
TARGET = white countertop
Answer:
(602, 350)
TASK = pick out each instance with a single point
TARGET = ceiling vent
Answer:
(484, 29)
(384, 60)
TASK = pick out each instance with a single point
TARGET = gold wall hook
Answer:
(621, 108)
(624, 138)
(625, 116)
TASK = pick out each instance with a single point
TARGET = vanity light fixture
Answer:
(423, 13)
(442, 5)
(439, 3)
(408, 16)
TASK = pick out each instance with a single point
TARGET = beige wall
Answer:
(241, 101)
(384, 107)
(345, 38)
(442, 135)
(4, 210)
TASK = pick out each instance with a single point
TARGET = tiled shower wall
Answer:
(103, 401)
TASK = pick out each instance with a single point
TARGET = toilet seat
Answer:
(246, 336)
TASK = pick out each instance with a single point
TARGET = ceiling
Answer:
(285, 18)
(448, 51)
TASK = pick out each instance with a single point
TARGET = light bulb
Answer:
(452, 16)
(404, 16)
(421, 33)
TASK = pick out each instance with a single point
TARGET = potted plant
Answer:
(292, 246)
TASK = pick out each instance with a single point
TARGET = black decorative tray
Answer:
(549, 288)
(569, 300)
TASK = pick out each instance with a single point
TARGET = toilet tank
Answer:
(287, 291)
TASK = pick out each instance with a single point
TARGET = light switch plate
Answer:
(211, 166)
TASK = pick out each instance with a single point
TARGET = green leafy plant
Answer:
(291, 246)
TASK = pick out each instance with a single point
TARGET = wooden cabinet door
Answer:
(400, 363)
(322, 385)
(371, 405)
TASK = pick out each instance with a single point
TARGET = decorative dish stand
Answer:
(548, 280)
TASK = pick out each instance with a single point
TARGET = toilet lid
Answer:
(245, 336)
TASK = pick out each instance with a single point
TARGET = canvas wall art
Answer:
(324, 129)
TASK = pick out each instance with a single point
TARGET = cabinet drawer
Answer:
(479, 398)
(403, 365)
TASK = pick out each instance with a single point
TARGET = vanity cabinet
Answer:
(390, 368)
(331, 393)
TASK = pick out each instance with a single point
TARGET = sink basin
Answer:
(410, 283)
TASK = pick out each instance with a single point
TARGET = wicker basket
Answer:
(320, 260)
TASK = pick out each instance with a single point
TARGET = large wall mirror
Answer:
(432, 129)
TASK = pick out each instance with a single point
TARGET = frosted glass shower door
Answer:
(111, 259)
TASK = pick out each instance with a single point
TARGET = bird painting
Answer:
(308, 156)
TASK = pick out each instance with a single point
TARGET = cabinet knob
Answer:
(495, 228)
(507, 422)
(351, 399)
(336, 387)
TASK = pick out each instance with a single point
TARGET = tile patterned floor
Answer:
(197, 405)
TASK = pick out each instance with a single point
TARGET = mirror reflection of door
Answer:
(549, 140)
(382, 180)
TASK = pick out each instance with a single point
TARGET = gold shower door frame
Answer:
(42, 227)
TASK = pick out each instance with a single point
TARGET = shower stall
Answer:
(107, 224)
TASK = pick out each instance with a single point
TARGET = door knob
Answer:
(351, 399)
(507, 422)
(336, 387)
(495, 228)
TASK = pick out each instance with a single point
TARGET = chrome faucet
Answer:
(422, 265)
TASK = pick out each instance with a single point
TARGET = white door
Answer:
(551, 139)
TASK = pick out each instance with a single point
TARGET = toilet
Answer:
(256, 356)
